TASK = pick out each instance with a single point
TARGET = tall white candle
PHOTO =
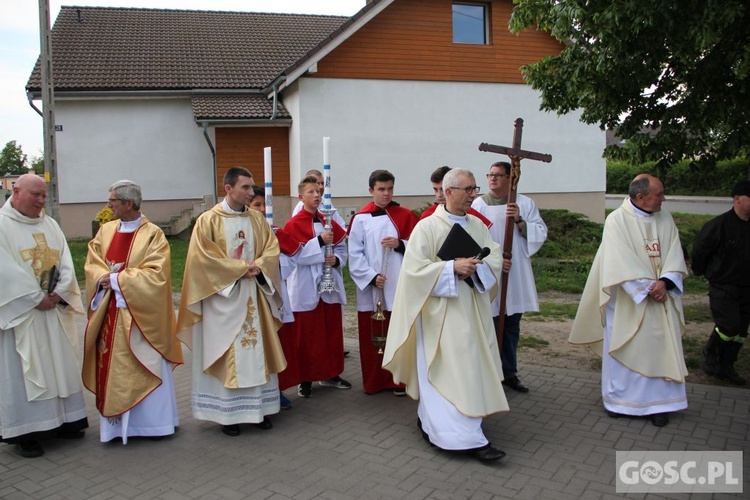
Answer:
(268, 179)
(326, 175)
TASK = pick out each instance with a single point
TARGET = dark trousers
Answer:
(509, 347)
(730, 308)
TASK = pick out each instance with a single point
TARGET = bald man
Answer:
(631, 308)
(40, 383)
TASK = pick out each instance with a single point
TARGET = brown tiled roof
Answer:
(228, 107)
(157, 49)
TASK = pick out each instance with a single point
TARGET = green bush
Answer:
(684, 178)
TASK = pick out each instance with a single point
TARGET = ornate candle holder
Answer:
(327, 284)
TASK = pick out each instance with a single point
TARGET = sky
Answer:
(19, 49)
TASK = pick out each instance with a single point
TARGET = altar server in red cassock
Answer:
(318, 317)
(377, 241)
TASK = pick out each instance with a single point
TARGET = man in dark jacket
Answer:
(722, 254)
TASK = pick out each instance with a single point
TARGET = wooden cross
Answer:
(516, 154)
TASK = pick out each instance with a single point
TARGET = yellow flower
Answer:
(105, 215)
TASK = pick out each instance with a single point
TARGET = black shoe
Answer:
(486, 453)
(336, 382)
(728, 374)
(424, 434)
(660, 419)
(265, 425)
(399, 391)
(613, 414)
(304, 390)
(29, 449)
(71, 434)
(346, 354)
(515, 384)
(231, 430)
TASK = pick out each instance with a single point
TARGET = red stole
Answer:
(117, 252)
(402, 218)
(300, 229)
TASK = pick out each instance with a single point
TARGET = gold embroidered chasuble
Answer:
(146, 286)
(45, 340)
(460, 345)
(212, 267)
(646, 336)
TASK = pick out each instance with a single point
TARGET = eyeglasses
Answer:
(468, 189)
(497, 176)
(112, 200)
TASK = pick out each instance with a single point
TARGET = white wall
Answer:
(154, 142)
(411, 128)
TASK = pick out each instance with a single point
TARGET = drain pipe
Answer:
(275, 90)
(30, 97)
(213, 155)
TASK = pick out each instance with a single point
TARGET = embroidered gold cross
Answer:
(42, 257)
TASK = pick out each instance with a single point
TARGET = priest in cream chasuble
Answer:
(40, 383)
(441, 340)
(631, 311)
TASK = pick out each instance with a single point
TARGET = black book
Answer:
(458, 244)
(54, 279)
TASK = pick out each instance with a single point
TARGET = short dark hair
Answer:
(259, 191)
(310, 179)
(439, 173)
(380, 176)
(235, 173)
(502, 164)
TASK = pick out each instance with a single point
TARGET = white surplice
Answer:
(366, 260)
(521, 295)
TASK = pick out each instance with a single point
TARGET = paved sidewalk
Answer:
(345, 444)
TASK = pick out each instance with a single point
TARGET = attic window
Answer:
(470, 23)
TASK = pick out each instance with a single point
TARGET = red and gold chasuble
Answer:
(117, 256)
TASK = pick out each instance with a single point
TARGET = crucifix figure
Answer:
(516, 154)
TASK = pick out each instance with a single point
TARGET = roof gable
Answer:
(98, 48)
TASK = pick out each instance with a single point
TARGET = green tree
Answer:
(12, 160)
(37, 163)
(676, 67)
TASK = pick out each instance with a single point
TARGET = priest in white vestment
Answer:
(529, 234)
(41, 394)
(631, 309)
(131, 347)
(229, 311)
(441, 340)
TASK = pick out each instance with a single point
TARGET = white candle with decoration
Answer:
(268, 179)
(326, 175)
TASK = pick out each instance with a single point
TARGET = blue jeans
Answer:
(509, 349)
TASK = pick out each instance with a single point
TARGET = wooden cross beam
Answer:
(516, 154)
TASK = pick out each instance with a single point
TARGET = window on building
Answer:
(470, 23)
